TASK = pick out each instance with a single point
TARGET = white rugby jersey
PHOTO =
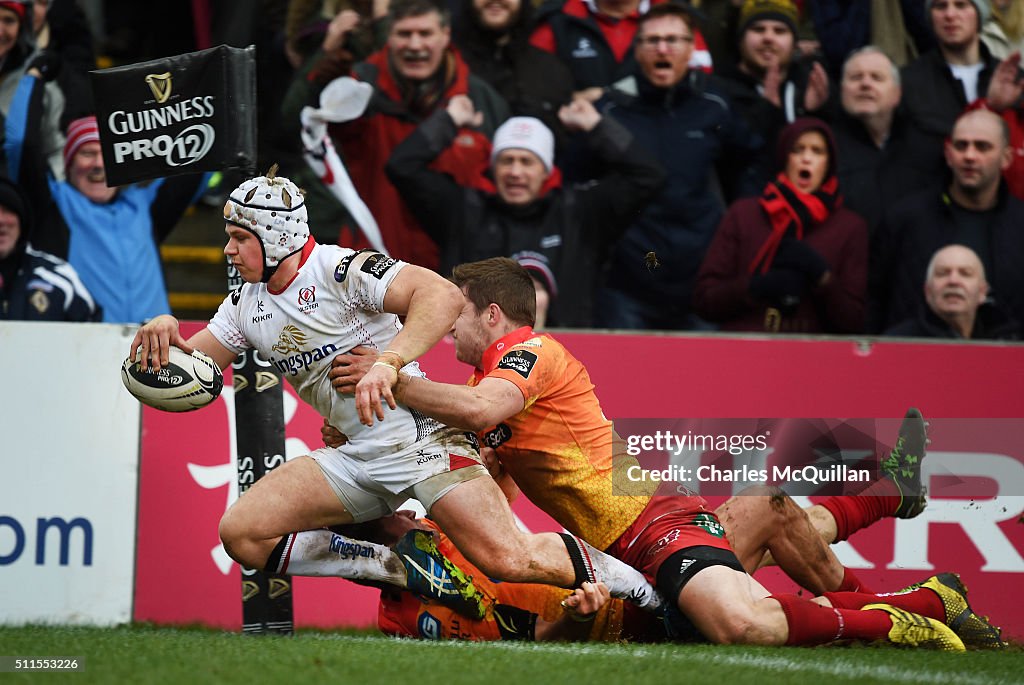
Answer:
(334, 303)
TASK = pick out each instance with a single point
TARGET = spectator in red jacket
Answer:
(416, 73)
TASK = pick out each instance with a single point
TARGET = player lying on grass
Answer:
(301, 302)
(517, 611)
(537, 407)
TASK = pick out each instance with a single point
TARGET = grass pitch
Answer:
(145, 654)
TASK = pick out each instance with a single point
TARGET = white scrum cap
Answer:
(273, 209)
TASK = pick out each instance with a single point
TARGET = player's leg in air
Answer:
(900, 493)
(772, 521)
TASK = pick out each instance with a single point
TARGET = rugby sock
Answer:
(279, 555)
(853, 512)
(581, 563)
(851, 583)
(625, 582)
(813, 624)
(920, 601)
(324, 553)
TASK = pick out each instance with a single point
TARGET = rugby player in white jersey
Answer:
(301, 304)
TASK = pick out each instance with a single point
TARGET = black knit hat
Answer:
(779, 10)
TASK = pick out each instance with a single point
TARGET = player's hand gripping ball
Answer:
(188, 382)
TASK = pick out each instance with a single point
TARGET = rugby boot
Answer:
(903, 465)
(432, 575)
(916, 630)
(975, 631)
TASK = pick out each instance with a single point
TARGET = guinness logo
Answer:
(160, 84)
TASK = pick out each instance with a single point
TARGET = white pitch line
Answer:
(842, 667)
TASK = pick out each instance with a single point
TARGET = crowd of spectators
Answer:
(775, 166)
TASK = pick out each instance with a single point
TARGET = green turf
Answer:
(142, 654)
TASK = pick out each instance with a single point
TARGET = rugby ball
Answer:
(188, 382)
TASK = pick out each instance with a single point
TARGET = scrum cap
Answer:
(273, 209)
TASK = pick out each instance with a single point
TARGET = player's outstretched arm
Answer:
(462, 406)
(430, 304)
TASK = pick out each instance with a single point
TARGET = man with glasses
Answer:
(593, 38)
(679, 115)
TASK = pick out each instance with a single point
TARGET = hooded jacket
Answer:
(722, 293)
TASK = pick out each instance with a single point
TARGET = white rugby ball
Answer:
(188, 382)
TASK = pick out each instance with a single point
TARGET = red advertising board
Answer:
(188, 472)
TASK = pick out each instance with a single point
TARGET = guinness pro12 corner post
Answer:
(185, 114)
(259, 437)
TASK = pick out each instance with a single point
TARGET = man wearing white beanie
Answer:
(560, 235)
(527, 133)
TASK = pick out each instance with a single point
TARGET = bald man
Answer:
(973, 209)
(956, 292)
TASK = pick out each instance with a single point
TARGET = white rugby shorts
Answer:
(424, 471)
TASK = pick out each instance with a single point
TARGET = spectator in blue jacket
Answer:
(110, 235)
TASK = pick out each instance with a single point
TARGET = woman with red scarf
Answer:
(793, 260)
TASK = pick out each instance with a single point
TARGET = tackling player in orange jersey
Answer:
(536, 407)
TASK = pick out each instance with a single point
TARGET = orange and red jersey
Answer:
(560, 449)
(404, 614)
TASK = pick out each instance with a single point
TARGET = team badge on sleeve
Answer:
(377, 265)
(519, 361)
